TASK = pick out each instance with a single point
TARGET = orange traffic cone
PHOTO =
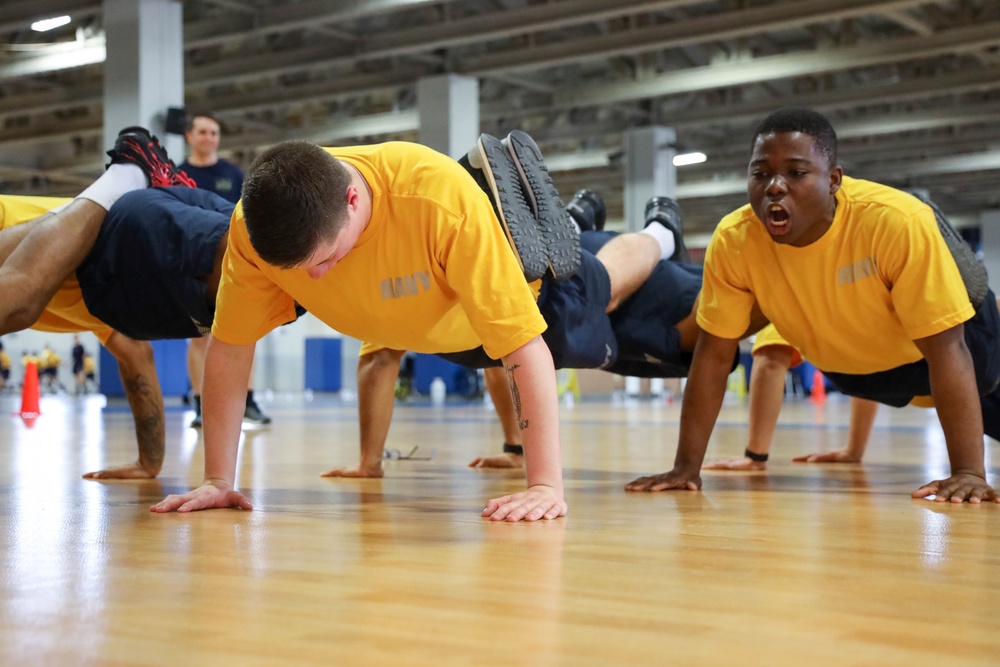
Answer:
(818, 388)
(31, 393)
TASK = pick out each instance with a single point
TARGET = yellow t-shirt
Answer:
(853, 301)
(66, 312)
(432, 272)
(768, 337)
(4, 361)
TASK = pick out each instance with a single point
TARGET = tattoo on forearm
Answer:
(146, 402)
(515, 395)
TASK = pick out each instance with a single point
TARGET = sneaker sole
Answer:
(521, 228)
(562, 243)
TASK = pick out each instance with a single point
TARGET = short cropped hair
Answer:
(294, 198)
(189, 125)
(805, 121)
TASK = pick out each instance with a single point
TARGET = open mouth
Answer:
(777, 218)
(777, 215)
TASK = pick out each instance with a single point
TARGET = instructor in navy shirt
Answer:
(204, 165)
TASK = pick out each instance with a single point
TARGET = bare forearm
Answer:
(137, 368)
(767, 384)
(146, 400)
(703, 396)
(863, 414)
(496, 385)
(532, 381)
(957, 403)
(377, 375)
(227, 368)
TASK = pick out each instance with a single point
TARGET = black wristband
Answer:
(513, 449)
(754, 456)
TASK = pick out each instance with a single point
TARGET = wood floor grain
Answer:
(801, 565)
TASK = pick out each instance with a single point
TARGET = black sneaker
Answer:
(588, 210)
(253, 414)
(503, 184)
(667, 212)
(562, 242)
(135, 145)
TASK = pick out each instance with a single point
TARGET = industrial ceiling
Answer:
(913, 87)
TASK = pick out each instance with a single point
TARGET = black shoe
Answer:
(562, 242)
(254, 415)
(667, 212)
(503, 184)
(196, 422)
(135, 145)
(587, 209)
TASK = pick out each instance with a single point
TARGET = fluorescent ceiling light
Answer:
(49, 24)
(689, 158)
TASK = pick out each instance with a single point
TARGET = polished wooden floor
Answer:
(801, 565)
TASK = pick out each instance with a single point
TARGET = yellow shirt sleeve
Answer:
(248, 304)
(927, 290)
(726, 299)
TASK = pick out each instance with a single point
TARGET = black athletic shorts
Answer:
(645, 324)
(145, 274)
(639, 339)
(897, 386)
(579, 333)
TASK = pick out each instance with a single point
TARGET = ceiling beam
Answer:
(784, 66)
(717, 27)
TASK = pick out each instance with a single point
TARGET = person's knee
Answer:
(131, 354)
(773, 357)
(386, 357)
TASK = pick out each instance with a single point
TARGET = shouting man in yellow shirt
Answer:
(859, 278)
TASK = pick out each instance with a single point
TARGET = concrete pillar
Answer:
(989, 230)
(144, 70)
(449, 113)
(649, 170)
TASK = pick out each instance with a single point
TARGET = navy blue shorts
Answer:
(645, 324)
(640, 338)
(579, 333)
(897, 386)
(145, 275)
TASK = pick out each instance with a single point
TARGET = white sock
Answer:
(664, 237)
(113, 183)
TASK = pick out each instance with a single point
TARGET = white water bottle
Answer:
(438, 391)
